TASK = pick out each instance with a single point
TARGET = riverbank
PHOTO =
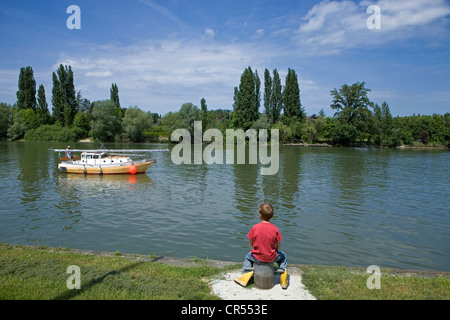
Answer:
(40, 273)
(430, 146)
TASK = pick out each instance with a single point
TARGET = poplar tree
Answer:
(291, 97)
(26, 95)
(267, 95)
(276, 100)
(57, 100)
(257, 81)
(42, 110)
(246, 97)
(204, 108)
(63, 96)
(114, 95)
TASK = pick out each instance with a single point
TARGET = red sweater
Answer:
(265, 237)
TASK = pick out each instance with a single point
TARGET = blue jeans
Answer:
(249, 259)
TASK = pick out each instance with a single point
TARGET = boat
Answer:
(102, 161)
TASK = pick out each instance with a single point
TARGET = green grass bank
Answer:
(40, 273)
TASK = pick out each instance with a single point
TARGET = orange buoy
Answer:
(132, 169)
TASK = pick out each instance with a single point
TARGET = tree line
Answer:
(356, 119)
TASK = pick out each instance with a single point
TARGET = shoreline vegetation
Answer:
(41, 273)
(257, 104)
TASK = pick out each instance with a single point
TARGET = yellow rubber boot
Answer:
(284, 280)
(244, 279)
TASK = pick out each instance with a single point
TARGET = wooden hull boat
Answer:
(97, 162)
(135, 167)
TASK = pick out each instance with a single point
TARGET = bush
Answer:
(54, 133)
(344, 134)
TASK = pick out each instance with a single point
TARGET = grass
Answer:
(40, 273)
(344, 283)
(36, 273)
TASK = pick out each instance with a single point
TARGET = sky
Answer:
(162, 54)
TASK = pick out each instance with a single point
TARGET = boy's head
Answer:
(265, 211)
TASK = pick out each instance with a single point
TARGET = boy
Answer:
(265, 242)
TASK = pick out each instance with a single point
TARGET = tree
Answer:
(81, 121)
(245, 107)
(106, 121)
(171, 121)
(291, 97)
(63, 96)
(57, 99)
(6, 118)
(257, 91)
(26, 95)
(273, 97)
(42, 110)
(276, 100)
(83, 103)
(309, 130)
(344, 134)
(352, 105)
(23, 120)
(204, 109)
(267, 95)
(114, 95)
(135, 122)
(188, 114)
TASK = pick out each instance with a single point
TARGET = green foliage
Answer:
(291, 97)
(261, 123)
(81, 121)
(188, 114)
(286, 132)
(23, 120)
(63, 95)
(114, 95)
(344, 134)
(309, 130)
(135, 122)
(54, 133)
(352, 105)
(382, 126)
(171, 121)
(6, 119)
(42, 110)
(26, 95)
(273, 96)
(106, 121)
(246, 97)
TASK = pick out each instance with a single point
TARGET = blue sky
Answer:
(162, 54)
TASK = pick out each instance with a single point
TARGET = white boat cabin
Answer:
(95, 158)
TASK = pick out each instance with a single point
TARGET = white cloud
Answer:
(162, 75)
(99, 74)
(210, 33)
(331, 26)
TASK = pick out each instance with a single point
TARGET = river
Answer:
(333, 206)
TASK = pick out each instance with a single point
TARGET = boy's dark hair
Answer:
(266, 211)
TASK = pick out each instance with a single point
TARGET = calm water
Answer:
(334, 206)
